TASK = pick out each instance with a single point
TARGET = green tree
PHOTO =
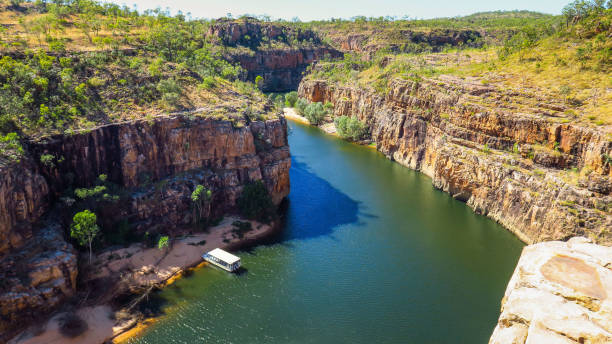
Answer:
(259, 81)
(315, 113)
(350, 128)
(84, 228)
(291, 98)
(255, 202)
(201, 198)
(163, 242)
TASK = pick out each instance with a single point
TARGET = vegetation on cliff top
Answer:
(71, 65)
(566, 57)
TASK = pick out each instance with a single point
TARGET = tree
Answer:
(163, 242)
(291, 98)
(255, 202)
(350, 128)
(315, 113)
(201, 198)
(84, 228)
(259, 81)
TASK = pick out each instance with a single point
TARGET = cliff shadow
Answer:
(314, 207)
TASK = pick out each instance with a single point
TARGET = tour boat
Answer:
(222, 259)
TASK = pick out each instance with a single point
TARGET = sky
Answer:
(308, 10)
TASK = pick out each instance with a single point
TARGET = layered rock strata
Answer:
(36, 278)
(156, 165)
(560, 293)
(515, 157)
(280, 54)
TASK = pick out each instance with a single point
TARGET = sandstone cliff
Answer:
(278, 53)
(282, 69)
(559, 293)
(36, 278)
(156, 164)
(513, 157)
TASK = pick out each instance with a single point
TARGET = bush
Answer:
(255, 202)
(208, 82)
(259, 81)
(300, 105)
(47, 160)
(350, 128)
(291, 98)
(315, 113)
(71, 325)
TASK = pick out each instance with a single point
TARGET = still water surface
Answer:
(370, 253)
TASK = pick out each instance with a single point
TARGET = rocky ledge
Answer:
(561, 292)
(515, 156)
(36, 278)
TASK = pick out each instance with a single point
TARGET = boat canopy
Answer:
(224, 256)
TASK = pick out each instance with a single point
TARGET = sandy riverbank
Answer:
(140, 267)
(291, 114)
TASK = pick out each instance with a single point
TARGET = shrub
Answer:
(71, 325)
(300, 105)
(96, 82)
(163, 242)
(208, 82)
(47, 160)
(315, 113)
(291, 98)
(259, 81)
(255, 202)
(350, 128)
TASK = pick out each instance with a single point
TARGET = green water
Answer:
(370, 253)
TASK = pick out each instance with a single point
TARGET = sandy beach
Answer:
(291, 114)
(141, 267)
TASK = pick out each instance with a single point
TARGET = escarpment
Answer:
(154, 164)
(511, 156)
(280, 54)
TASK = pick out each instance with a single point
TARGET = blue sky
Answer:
(325, 9)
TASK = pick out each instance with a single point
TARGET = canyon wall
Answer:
(281, 69)
(155, 164)
(502, 152)
(559, 293)
(278, 53)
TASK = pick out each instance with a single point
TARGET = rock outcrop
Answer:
(159, 163)
(406, 41)
(156, 164)
(36, 278)
(561, 292)
(281, 69)
(23, 200)
(278, 53)
(512, 156)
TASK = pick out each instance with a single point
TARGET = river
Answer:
(370, 253)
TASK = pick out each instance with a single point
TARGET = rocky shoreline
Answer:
(559, 293)
(155, 166)
(540, 178)
(145, 270)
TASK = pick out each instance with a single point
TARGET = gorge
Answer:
(133, 128)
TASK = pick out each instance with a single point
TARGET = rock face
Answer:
(23, 200)
(36, 278)
(514, 161)
(561, 292)
(161, 162)
(403, 41)
(278, 53)
(157, 164)
(282, 70)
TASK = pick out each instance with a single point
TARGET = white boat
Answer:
(222, 259)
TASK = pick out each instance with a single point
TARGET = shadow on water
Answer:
(316, 199)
